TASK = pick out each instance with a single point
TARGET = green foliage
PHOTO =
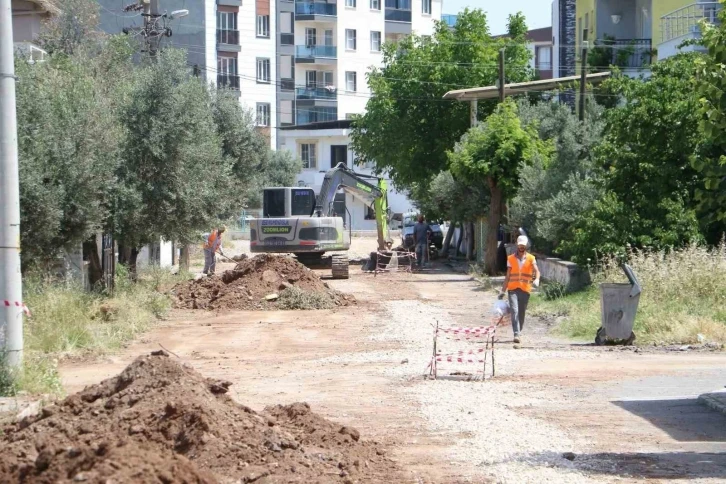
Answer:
(174, 180)
(74, 26)
(710, 161)
(553, 290)
(645, 163)
(448, 199)
(555, 194)
(294, 298)
(407, 127)
(491, 153)
(68, 142)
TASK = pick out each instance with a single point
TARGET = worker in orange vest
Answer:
(212, 244)
(522, 271)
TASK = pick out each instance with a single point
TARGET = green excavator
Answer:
(296, 220)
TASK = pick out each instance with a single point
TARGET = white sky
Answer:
(537, 12)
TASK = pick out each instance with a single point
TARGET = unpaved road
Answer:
(627, 416)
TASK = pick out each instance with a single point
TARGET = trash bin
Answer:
(618, 303)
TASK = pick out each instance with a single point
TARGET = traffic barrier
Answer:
(465, 356)
(17, 304)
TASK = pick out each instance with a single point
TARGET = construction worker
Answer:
(212, 244)
(522, 270)
(421, 233)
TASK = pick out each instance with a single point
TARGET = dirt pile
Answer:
(252, 284)
(159, 421)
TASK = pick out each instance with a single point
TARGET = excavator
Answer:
(295, 220)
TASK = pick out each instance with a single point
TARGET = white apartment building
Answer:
(326, 50)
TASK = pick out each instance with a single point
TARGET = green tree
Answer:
(645, 161)
(710, 160)
(174, 180)
(491, 155)
(73, 25)
(408, 128)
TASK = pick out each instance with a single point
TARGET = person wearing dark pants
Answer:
(421, 232)
(522, 270)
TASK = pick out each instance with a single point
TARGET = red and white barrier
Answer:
(465, 356)
(17, 304)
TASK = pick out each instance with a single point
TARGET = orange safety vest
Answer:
(212, 239)
(521, 278)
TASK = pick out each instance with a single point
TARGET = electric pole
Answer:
(501, 76)
(583, 75)
(11, 284)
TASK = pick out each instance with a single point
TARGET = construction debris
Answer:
(255, 283)
(161, 421)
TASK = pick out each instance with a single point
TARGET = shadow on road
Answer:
(684, 419)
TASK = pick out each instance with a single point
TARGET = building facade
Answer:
(322, 146)
(540, 43)
(28, 17)
(564, 29)
(633, 33)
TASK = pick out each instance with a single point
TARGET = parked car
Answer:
(409, 221)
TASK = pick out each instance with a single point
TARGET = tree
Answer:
(710, 160)
(491, 155)
(174, 180)
(645, 162)
(73, 25)
(554, 194)
(408, 128)
(68, 141)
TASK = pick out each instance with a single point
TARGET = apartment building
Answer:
(28, 16)
(539, 44)
(632, 31)
(564, 30)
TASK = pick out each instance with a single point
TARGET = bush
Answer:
(296, 298)
(681, 297)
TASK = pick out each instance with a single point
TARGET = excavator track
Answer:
(340, 266)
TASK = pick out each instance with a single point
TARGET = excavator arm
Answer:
(357, 185)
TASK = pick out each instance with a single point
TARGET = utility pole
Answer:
(583, 75)
(501, 76)
(11, 283)
(151, 18)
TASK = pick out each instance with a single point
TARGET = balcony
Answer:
(228, 40)
(228, 81)
(315, 11)
(624, 53)
(685, 24)
(396, 15)
(316, 54)
(312, 93)
(317, 115)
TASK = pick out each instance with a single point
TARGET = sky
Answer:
(537, 12)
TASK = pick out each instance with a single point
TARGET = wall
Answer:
(363, 20)
(625, 29)
(663, 7)
(423, 24)
(251, 91)
(26, 27)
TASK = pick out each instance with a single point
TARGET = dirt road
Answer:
(626, 415)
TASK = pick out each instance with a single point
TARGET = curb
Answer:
(715, 401)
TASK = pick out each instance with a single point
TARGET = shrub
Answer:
(296, 298)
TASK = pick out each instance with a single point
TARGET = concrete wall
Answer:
(26, 23)
(567, 273)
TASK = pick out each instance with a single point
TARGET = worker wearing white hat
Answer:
(522, 270)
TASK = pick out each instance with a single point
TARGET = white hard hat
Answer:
(522, 240)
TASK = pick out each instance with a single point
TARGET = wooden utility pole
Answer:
(583, 75)
(501, 76)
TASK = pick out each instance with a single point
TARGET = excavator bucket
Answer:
(381, 208)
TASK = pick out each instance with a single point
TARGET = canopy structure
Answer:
(492, 92)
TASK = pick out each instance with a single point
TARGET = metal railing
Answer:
(316, 116)
(624, 53)
(230, 81)
(316, 8)
(396, 15)
(313, 51)
(686, 20)
(330, 93)
(230, 37)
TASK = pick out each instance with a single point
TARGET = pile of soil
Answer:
(251, 282)
(162, 422)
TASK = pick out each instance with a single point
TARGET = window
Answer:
(308, 155)
(226, 21)
(263, 114)
(375, 4)
(426, 7)
(227, 65)
(286, 111)
(350, 3)
(370, 213)
(263, 26)
(263, 70)
(328, 37)
(303, 201)
(350, 39)
(544, 58)
(311, 37)
(350, 81)
(286, 67)
(375, 41)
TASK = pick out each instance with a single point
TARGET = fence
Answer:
(474, 356)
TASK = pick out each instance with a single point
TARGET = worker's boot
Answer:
(517, 340)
